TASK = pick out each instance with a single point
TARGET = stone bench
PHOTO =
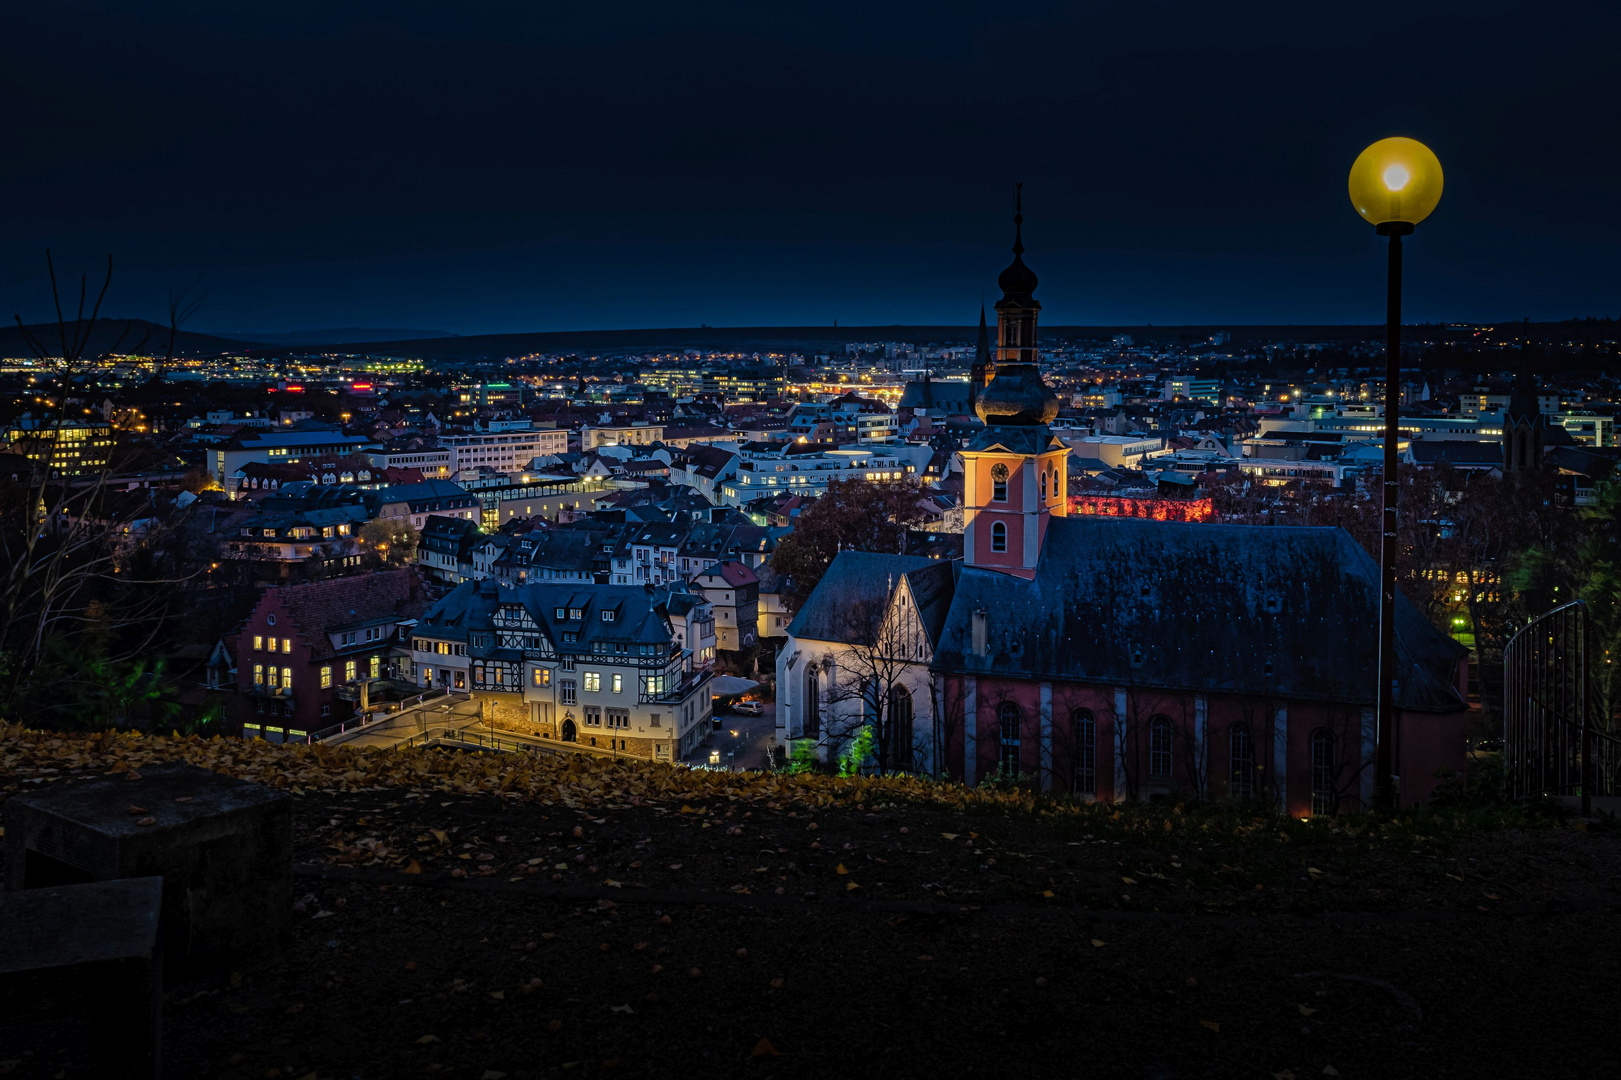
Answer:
(93, 951)
(222, 846)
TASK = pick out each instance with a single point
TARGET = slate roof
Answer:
(1014, 439)
(1288, 613)
(852, 580)
(1456, 452)
(638, 617)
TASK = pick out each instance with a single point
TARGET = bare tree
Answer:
(80, 563)
(873, 677)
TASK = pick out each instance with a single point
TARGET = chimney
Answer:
(979, 632)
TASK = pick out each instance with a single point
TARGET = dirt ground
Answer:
(730, 940)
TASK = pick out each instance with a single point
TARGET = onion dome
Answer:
(1017, 397)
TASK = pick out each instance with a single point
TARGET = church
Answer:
(1113, 658)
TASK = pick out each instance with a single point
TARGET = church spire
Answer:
(983, 369)
(1016, 312)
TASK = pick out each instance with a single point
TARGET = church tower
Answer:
(1015, 477)
(1524, 427)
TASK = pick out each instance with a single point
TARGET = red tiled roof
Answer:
(321, 605)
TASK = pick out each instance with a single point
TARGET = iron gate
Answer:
(1553, 743)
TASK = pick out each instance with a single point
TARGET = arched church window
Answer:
(999, 537)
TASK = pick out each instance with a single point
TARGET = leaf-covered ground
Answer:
(463, 915)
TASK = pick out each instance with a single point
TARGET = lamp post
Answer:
(1395, 184)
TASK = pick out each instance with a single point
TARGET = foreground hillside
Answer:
(482, 916)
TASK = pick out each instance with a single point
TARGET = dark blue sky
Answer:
(531, 166)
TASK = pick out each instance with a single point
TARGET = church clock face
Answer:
(999, 472)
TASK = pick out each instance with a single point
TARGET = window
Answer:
(813, 704)
(562, 613)
(900, 728)
(593, 682)
(999, 537)
(286, 644)
(1159, 747)
(543, 676)
(461, 680)
(258, 642)
(1324, 792)
(576, 613)
(568, 663)
(348, 671)
(287, 678)
(652, 719)
(1085, 729)
(273, 676)
(999, 476)
(593, 716)
(376, 666)
(258, 674)
(326, 676)
(1241, 763)
(619, 684)
(565, 691)
(1009, 717)
(607, 616)
(618, 718)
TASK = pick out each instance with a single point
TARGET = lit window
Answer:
(258, 674)
(326, 677)
(593, 682)
(619, 684)
(348, 671)
(286, 644)
(287, 678)
(376, 666)
(258, 642)
(543, 676)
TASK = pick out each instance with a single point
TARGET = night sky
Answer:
(535, 166)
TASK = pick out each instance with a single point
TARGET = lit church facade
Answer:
(1114, 658)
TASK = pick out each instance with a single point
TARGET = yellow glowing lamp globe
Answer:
(1396, 180)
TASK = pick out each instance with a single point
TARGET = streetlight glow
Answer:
(1396, 180)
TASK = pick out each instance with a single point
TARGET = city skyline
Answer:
(508, 173)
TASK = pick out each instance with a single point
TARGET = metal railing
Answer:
(1554, 741)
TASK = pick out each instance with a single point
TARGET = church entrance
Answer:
(568, 731)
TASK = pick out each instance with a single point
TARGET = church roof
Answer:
(1275, 612)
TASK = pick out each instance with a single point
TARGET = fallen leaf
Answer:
(1096, 944)
(146, 821)
(498, 995)
(622, 1009)
(1306, 1010)
(323, 914)
(1128, 881)
(1048, 893)
(414, 868)
(850, 886)
(427, 1039)
(839, 869)
(1211, 1024)
(950, 835)
(763, 1048)
(1329, 1070)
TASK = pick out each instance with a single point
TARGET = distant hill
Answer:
(117, 336)
(343, 336)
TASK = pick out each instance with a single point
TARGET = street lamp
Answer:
(1395, 184)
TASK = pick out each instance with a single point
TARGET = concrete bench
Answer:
(222, 846)
(94, 951)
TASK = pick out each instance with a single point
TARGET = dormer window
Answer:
(562, 613)
(576, 613)
(607, 616)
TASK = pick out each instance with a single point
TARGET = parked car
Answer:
(749, 708)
